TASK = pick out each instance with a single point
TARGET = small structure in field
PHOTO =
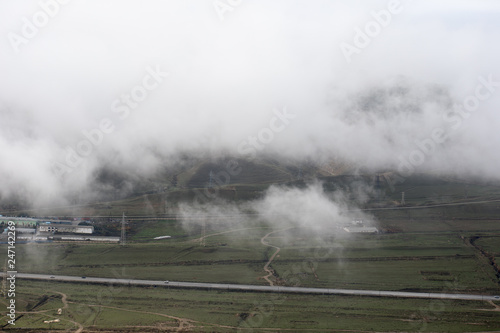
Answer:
(359, 227)
(361, 230)
(163, 237)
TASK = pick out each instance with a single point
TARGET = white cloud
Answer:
(227, 76)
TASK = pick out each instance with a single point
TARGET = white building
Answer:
(359, 230)
(62, 228)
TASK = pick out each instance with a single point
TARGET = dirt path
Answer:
(266, 266)
(496, 307)
(482, 254)
(64, 300)
(184, 324)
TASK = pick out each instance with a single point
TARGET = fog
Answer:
(310, 210)
(133, 86)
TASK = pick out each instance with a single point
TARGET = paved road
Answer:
(246, 287)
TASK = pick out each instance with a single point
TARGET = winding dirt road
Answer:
(278, 249)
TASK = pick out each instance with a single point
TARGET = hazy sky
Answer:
(370, 82)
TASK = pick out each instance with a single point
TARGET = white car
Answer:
(166, 281)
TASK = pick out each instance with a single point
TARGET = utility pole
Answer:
(203, 232)
(211, 179)
(377, 188)
(299, 175)
(123, 230)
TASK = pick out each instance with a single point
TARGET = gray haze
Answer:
(311, 208)
(218, 82)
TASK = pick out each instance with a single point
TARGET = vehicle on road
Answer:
(52, 277)
(496, 297)
(166, 281)
(84, 277)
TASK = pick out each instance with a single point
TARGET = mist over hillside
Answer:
(93, 110)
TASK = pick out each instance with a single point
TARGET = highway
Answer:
(246, 287)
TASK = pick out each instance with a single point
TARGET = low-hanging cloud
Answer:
(309, 209)
(226, 78)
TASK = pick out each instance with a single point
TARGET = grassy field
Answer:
(385, 261)
(445, 249)
(415, 259)
(135, 309)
